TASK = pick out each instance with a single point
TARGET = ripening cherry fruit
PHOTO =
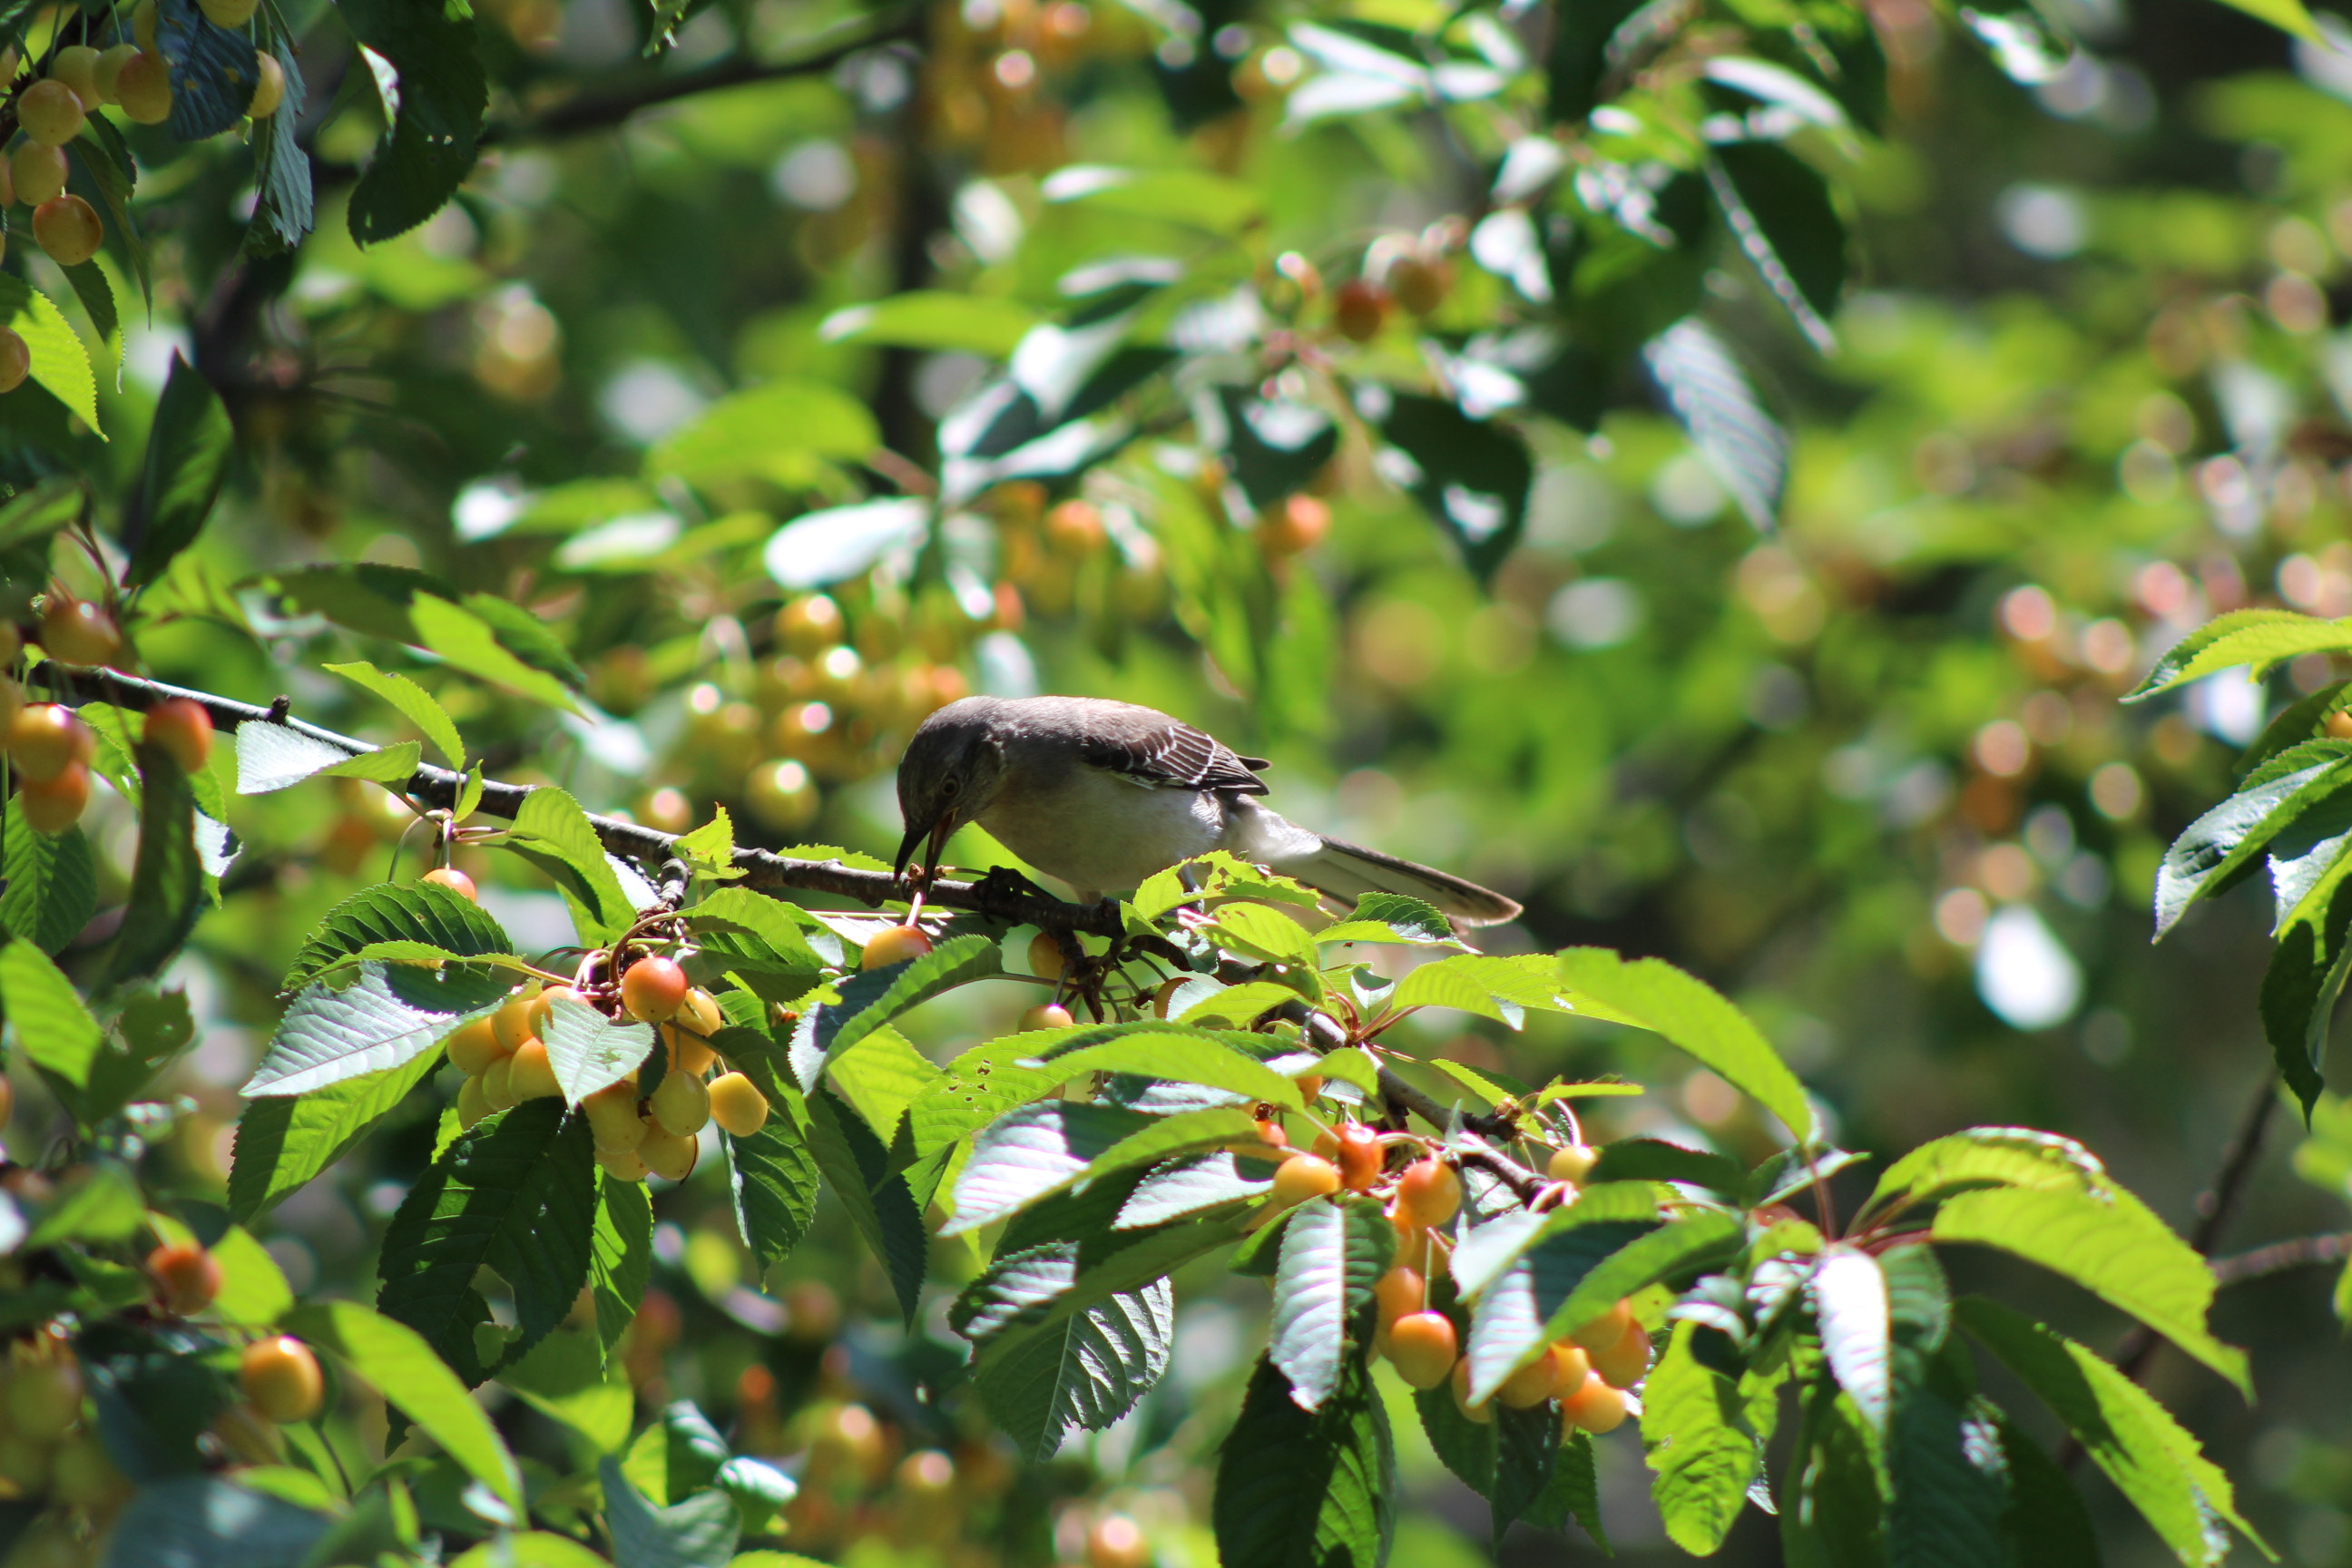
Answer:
(76, 630)
(474, 1047)
(473, 1104)
(45, 1398)
(228, 13)
(110, 70)
(185, 730)
(1422, 1346)
(16, 358)
(1532, 1383)
(269, 92)
(1595, 1408)
(143, 87)
(668, 1156)
(1303, 1176)
(1605, 1330)
(688, 1036)
(1293, 528)
(623, 1164)
(1420, 284)
(281, 1379)
(1484, 1411)
(37, 171)
(737, 1104)
(186, 1277)
(1570, 1366)
(1045, 956)
(49, 113)
(1359, 309)
(809, 626)
(45, 738)
(681, 1106)
(1430, 1188)
(894, 944)
(1573, 1164)
(497, 1084)
(52, 805)
(1360, 1156)
(1044, 1015)
(1117, 1542)
(75, 65)
(454, 880)
(653, 989)
(511, 1022)
(1624, 1364)
(1075, 527)
(529, 1075)
(66, 229)
(613, 1119)
(1399, 1291)
(541, 1012)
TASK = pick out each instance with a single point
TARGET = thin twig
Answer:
(439, 788)
(2301, 1252)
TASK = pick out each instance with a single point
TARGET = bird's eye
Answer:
(950, 784)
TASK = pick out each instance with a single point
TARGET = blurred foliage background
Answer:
(1864, 770)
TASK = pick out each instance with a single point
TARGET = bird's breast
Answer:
(1101, 832)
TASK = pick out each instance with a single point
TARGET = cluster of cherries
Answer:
(1587, 1372)
(504, 1058)
(49, 749)
(51, 110)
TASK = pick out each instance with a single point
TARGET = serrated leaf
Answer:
(1573, 1493)
(1179, 1056)
(553, 833)
(700, 1532)
(1951, 1483)
(1515, 1316)
(60, 364)
(1392, 918)
(857, 1168)
(870, 999)
(1780, 212)
(1988, 1157)
(678, 1454)
(2261, 639)
(516, 1195)
(414, 703)
(1332, 1254)
(2046, 1525)
(167, 881)
(1699, 1440)
(2212, 853)
(388, 1017)
(188, 450)
(442, 92)
(1472, 477)
(468, 642)
(271, 757)
(1297, 1487)
(1526, 1446)
(402, 1367)
(709, 849)
(1850, 1306)
(620, 1255)
(1708, 392)
(413, 911)
(1030, 1294)
(2152, 1462)
(1186, 1187)
(2111, 1245)
(1652, 1160)
(1033, 1150)
(1692, 1016)
(1486, 1251)
(773, 1179)
(281, 172)
(881, 1076)
(45, 1013)
(51, 882)
(1088, 1370)
(589, 1051)
(283, 1141)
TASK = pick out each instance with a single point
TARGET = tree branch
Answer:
(438, 787)
(599, 111)
(2301, 1252)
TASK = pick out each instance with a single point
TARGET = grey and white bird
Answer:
(1102, 794)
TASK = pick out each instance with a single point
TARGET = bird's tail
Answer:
(1349, 871)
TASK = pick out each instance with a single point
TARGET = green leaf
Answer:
(589, 1051)
(1779, 212)
(2152, 1461)
(2215, 852)
(388, 912)
(773, 1178)
(106, 159)
(1472, 477)
(398, 1363)
(1849, 1296)
(1043, 1148)
(516, 1195)
(100, 1202)
(390, 1015)
(283, 1141)
(45, 1015)
(678, 1454)
(1485, 1251)
(1240, 1006)
(1539, 1297)
(873, 997)
(1188, 196)
(974, 1090)
(1699, 1440)
(527, 636)
(1834, 1513)
(935, 320)
(782, 937)
(857, 1168)
(275, 756)
(553, 833)
(700, 1532)
(1710, 393)
(206, 1522)
(416, 704)
(1333, 1251)
(2263, 638)
(1690, 1013)
(188, 450)
(281, 169)
(1573, 1493)
(1527, 1444)
(620, 1255)
(1950, 1478)
(466, 641)
(154, 1028)
(441, 95)
(1296, 1487)
(33, 514)
(2046, 1525)
(60, 362)
(253, 1288)
(711, 849)
(167, 883)
(51, 883)
(880, 1076)
(2111, 1245)
(1988, 1157)
(1262, 932)
(2286, 15)
(529, 1549)
(1088, 1368)
(97, 297)
(1178, 1055)
(779, 431)
(1651, 1160)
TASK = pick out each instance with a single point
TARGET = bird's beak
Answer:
(936, 834)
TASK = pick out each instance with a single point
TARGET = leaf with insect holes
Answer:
(589, 1051)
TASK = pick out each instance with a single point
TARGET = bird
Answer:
(1101, 794)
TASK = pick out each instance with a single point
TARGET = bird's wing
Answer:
(1163, 753)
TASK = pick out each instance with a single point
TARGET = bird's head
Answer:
(951, 772)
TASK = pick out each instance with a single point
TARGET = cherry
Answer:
(186, 1277)
(37, 171)
(1303, 1176)
(1606, 1330)
(1359, 309)
(1532, 1383)
(49, 113)
(1294, 527)
(110, 70)
(668, 1156)
(52, 805)
(1075, 527)
(75, 65)
(1399, 1291)
(529, 1075)
(542, 1015)
(511, 1022)
(681, 1106)
(184, 732)
(1573, 1164)
(1044, 1015)
(229, 14)
(1484, 1411)
(67, 229)
(474, 1047)
(1422, 1346)
(737, 1104)
(1596, 1407)
(653, 989)
(1117, 1542)
(454, 880)
(281, 1379)
(1360, 1156)
(894, 944)
(473, 1103)
(16, 354)
(1420, 284)
(76, 630)
(270, 90)
(1623, 1364)
(143, 86)
(612, 1118)
(1045, 956)
(1571, 1366)
(43, 1399)
(809, 626)
(1431, 1189)
(625, 1163)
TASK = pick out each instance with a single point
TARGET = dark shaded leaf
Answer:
(442, 94)
(1301, 1490)
(51, 882)
(283, 1141)
(1471, 475)
(167, 884)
